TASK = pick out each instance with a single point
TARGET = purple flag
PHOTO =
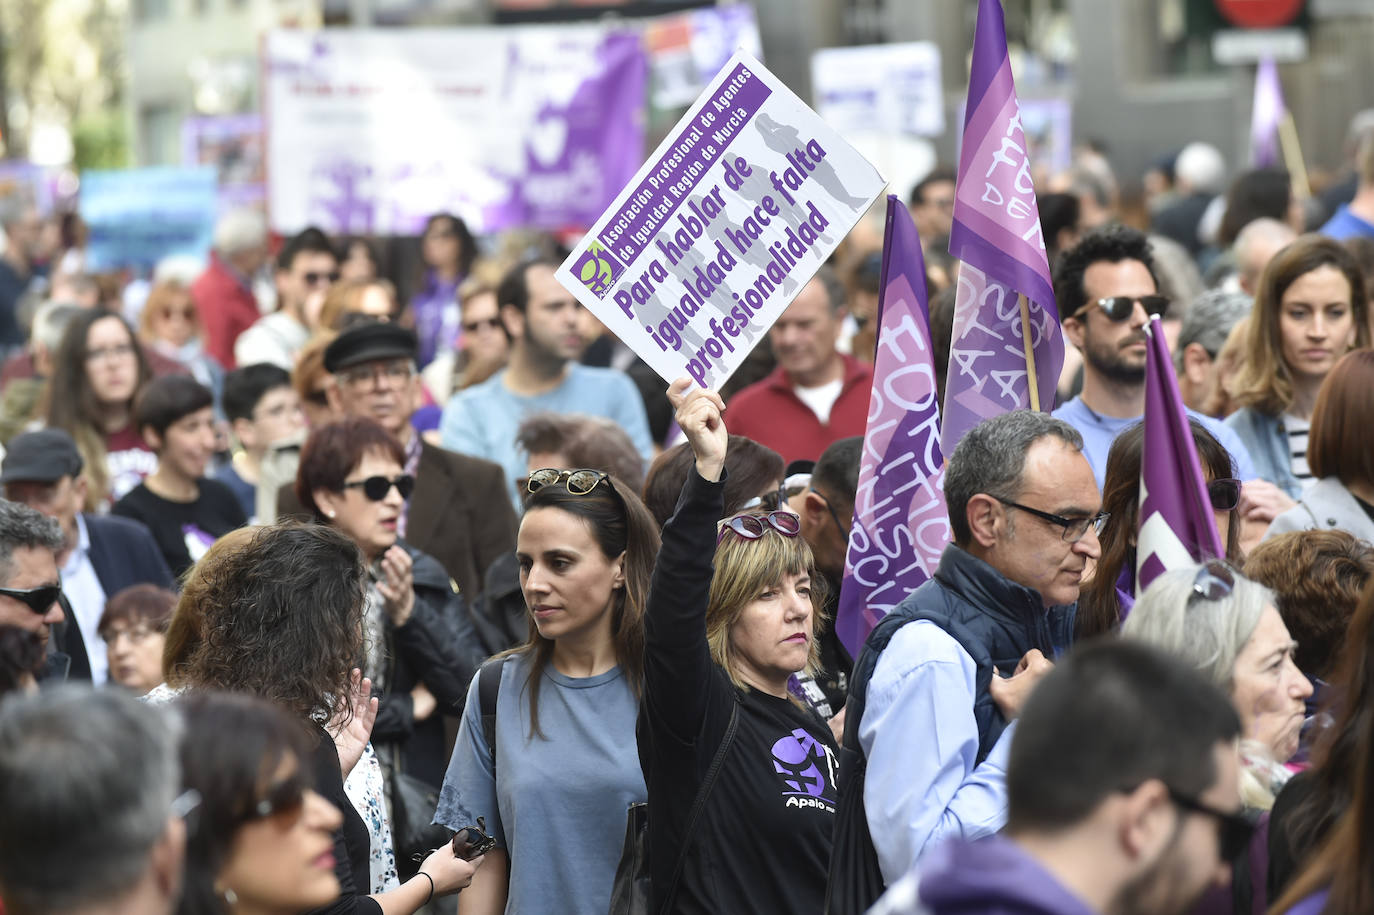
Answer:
(1265, 114)
(996, 238)
(1177, 526)
(900, 524)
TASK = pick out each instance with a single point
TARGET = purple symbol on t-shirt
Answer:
(799, 758)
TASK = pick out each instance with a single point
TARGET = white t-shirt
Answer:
(821, 398)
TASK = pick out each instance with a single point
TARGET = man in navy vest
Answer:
(101, 556)
(942, 678)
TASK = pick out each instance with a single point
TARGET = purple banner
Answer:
(996, 238)
(1265, 115)
(900, 523)
(1177, 525)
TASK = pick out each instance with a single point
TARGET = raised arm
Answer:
(677, 662)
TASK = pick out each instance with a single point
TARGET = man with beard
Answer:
(29, 582)
(1123, 798)
(541, 318)
(1106, 289)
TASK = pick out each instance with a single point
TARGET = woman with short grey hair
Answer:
(1228, 628)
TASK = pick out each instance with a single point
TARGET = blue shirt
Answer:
(1100, 431)
(482, 420)
(921, 740)
(557, 803)
(1346, 224)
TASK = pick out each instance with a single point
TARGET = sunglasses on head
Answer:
(39, 600)
(1120, 307)
(580, 482)
(1215, 579)
(752, 527)
(1224, 494)
(376, 488)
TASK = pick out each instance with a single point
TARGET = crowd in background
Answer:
(395, 539)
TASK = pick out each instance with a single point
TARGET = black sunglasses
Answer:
(284, 798)
(752, 527)
(1119, 307)
(39, 600)
(1224, 494)
(1215, 579)
(472, 841)
(376, 488)
(1074, 528)
(1234, 829)
(313, 278)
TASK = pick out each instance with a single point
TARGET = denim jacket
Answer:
(1266, 438)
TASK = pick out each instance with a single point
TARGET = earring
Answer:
(229, 896)
(330, 514)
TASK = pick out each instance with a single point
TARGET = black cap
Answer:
(44, 456)
(369, 342)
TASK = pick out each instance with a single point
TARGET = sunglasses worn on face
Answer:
(1224, 494)
(1234, 830)
(473, 327)
(376, 488)
(1074, 528)
(1120, 307)
(313, 278)
(285, 797)
(39, 600)
(752, 527)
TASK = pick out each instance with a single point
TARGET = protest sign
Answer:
(232, 145)
(35, 185)
(892, 88)
(722, 227)
(373, 130)
(138, 217)
(687, 49)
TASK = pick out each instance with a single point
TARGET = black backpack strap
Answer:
(699, 804)
(488, 689)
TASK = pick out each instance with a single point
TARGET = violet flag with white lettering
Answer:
(900, 523)
(1001, 252)
(1177, 525)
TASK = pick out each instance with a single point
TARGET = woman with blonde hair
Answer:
(1310, 310)
(734, 611)
(373, 298)
(171, 325)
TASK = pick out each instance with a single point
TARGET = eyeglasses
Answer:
(110, 353)
(1120, 307)
(39, 600)
(362, 376)
(580, 482)
(473, 327)
(1235, 830)
(1224, 494)
(752, 527)
(285, 797)
(1074, 528)
(376, 488)
(833, 517)
(1215, 579)
(135, 634)
(315, 278)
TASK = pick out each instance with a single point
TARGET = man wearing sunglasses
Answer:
(29, 582)
(1106, 290)
(941, 679)
(306, 267)
(459, 512)
(1123, 796)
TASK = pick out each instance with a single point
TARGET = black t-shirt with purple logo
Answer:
(184, 530)
(764, 838)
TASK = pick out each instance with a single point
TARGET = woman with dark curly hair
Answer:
(277, 612)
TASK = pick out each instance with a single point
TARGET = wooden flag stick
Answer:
(1031, 380)
(1292, 156)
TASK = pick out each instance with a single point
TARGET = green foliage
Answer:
(100, 140)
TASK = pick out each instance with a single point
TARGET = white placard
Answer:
(887, 88)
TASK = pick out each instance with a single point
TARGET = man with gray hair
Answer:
(936, 691)
(1255, 246)
(29, 584)
(224, 292)
(91, 824)
(1199, 175)
(23, 245)
(1206, 325)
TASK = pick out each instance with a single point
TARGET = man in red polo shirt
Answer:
(816, 394)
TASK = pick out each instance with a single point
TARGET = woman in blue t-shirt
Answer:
(555, 788)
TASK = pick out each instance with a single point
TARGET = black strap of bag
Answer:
(488, 689)
(703, 793)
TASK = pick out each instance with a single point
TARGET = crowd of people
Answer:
(332, 587)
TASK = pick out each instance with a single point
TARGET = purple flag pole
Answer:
(1266, 113)
(1007, 347)
(900, 523)
(1177, 525)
